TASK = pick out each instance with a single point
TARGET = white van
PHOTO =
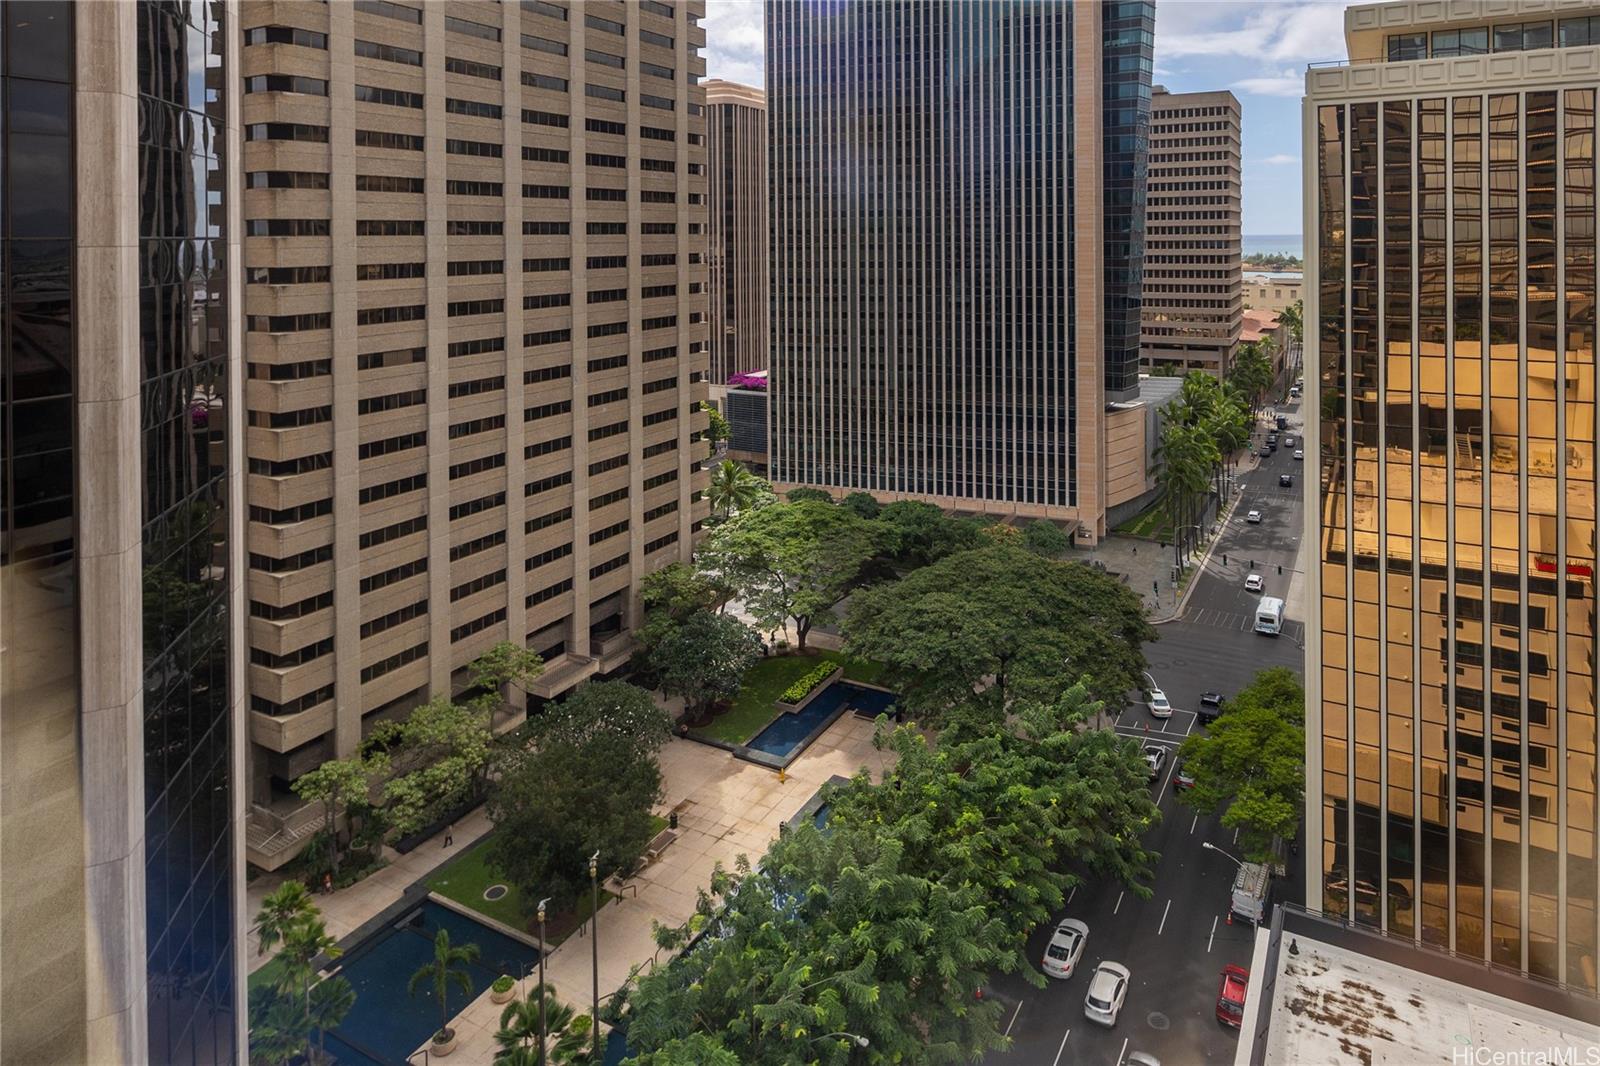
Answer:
(1269, 616)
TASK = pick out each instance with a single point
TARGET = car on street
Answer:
(1252, 583)
(1155, 757)
(1141, 1058)
(1299, 454)
(1182, 779)
(1288, 441)
(1107, 990)
(1286, 480)
(1061, 955)
(1160, 706)
(1254, 518)
(1231, 986)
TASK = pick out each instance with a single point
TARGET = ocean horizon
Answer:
(1273, 244)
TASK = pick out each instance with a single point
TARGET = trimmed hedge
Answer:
(802, 688)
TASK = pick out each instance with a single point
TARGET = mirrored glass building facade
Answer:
(121, 879)
(1451, 301)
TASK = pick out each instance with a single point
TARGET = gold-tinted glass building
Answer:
(1451, 289)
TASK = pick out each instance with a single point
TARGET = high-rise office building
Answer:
(476, 348)
(121, 690)
(736, 196)
(954, 289)
(1192, 278)
(1451, 728)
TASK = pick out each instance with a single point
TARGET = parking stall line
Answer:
(1122, 1051)
(1194, 823)
(1164, 911)
(1062, 1048)
(1118, 907)
(1014, 1015)
(1213, 937)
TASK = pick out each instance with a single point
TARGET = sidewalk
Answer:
(726, 807)
(347, 909)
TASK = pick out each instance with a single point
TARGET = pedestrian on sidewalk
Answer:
(327, 884)
(449, 834)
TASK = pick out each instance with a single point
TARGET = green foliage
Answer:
(1272, 261)
(732, 489)
(439, 755)
(1043, 537)
(923, 886)
(1293, 317)
(1251, 371)
(295, 1003)
(920, 533)
(704, 658)
(984, 627)
(336, 784)
(802, 688)
(717, 428)
(587, 783)
(506, 664)
(447, 968)
(806, 494)
(792, 561)
(1251, 762)
(862, 504)
(678, 590)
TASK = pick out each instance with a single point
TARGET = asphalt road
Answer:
(1176, 943)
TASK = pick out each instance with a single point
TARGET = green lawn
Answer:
(267, 974)
(754, 707)
(464, 880)
(1152, 523)
(657, 824)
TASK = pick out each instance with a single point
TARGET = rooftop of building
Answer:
(720, 91)
(1334, 1005)
(1256, 323)
(1367, 26)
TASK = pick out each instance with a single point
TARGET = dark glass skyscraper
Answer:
(952, 282)
(120, 896)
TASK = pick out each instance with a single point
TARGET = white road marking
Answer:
(1014, 1016)
(1062, 1048)
(1213, 935)
(1236, 836)
(1074, 891)
(1164, 911)
(1123, 1051)
(1194, 823)
(1172, 764)
(1118, 907)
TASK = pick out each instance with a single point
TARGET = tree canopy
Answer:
(995, 623)
(1250, 763)
(792, 561)
(920, 533)
(887, 924)
(704, 658)
(807, 494)
(1043, 537)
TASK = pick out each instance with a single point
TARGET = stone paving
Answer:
(726, 807)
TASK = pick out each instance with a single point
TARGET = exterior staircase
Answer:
(272, 838)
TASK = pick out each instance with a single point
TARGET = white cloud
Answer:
(1280, 160)
(1288, 82)
(735, 41)
(1293, 32)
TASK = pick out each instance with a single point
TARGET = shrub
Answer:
(802, 688)
(502, 984)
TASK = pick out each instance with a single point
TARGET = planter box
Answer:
(821, 686)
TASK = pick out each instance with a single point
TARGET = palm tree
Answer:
(576, 1045)
(732, 488)
(519, 1026)
(449, 966)
(286, 907)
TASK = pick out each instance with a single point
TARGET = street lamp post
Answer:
(542, 904)
(594, 944)
(1212, 847)
(856, 1039)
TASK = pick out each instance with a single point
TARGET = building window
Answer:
(595, 22)
(1404, 47)
(1522, 36)
(544, 81)
(604, 92)
(471, 29)
(543, 44)
(469, 68)
(1469, 42)
(286, 179)
(286, 131)
(285, 83)
(390, 10)
(389, 53)
(475, 108)
(286, 35)
(545, 118)
(402, 142)
(605, 59)
(372, 94)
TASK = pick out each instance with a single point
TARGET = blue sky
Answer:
(1257, 49)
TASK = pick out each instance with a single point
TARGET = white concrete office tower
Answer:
(1451, 728)
(1192, 281)
(475, 342)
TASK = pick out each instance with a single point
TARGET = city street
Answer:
(1176, 943)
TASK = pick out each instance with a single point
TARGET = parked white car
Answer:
(1254, 518)
(1108, 988)
(1160, 706)
(1299, 453)
(1061, 955)
(1253, 583)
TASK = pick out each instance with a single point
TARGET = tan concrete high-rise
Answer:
(1192, 279)
(736, 151)
(476, 350)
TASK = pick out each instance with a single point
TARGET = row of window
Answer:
(1506, 37)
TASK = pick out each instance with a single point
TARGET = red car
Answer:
(1230, 995)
